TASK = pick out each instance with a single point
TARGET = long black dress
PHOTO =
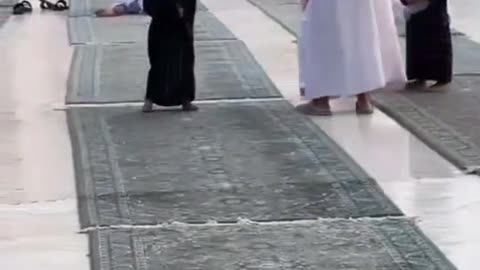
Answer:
(171, 79)
(429, 44)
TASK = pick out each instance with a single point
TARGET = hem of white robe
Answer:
(335, 94)
(398, 83)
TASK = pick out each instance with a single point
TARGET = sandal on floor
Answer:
(365, 110)
(60, 5)
(310, 109)
(22, 8)
(44, 4)
(147, 106)
(439, 85)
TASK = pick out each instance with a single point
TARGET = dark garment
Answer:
(171, 79)
(429, 44)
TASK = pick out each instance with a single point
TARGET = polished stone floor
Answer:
(38, 213)
(38, 209)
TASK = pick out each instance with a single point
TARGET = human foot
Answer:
(147, 106)
(189, 107)
(317, 107)
(364, 108)
(439, 84)
(364, 105)
(415, 84)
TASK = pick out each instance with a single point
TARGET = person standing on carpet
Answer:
(171, 79)
(350, 48)
(429, 43)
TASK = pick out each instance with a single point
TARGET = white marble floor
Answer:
(38, 214)
(465, 17)
(418, 180)
(38, 209)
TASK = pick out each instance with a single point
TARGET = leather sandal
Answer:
(22, 8)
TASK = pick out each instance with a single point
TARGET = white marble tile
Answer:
(35, 153)
(38, 209)
(464, 14)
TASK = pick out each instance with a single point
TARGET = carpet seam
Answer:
(244, 222)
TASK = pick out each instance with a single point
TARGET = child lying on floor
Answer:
(122, 7)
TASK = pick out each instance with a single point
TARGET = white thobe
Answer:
(348, 47)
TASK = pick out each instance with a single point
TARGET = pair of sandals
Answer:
(26, 7)
(311, 109)
(60, 5)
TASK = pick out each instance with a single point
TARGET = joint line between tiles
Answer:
(135, 104)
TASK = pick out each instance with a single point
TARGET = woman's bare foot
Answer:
(189, 107)
(317, 107)
(147, 106)
(415, 84)
(364, 105)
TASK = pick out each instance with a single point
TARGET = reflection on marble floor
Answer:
(38, 210)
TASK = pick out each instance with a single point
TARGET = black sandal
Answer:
(60, 5)
(44, 4)
(22, 8)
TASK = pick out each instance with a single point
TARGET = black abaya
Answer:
(429, 44)
(171, 79)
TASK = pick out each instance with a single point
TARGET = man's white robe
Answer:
(348, 47)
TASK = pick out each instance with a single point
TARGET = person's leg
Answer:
(415, 84)
(148, 102)
(322, 103)
(151, 85)
(364, 104)
(189, 11)
(415, 62)
(440, 84)
(189, 75)
(318, 107)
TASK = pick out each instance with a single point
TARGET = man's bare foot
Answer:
(147, 106)
(317, 107)
(364, 105)
(415, 84)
